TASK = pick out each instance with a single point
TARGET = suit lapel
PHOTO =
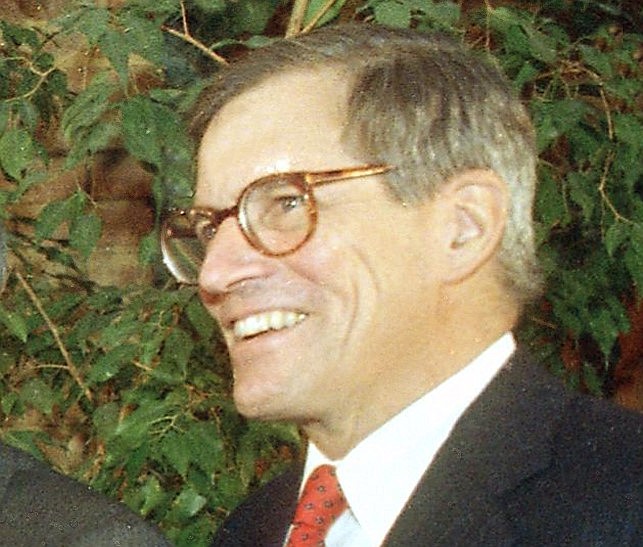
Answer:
(264, 518)
(500, 441)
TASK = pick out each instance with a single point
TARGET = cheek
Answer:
(343, 269)
(349, 282)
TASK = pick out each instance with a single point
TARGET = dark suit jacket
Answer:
(528, 464)
(41, 507)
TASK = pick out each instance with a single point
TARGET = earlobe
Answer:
(478, 202)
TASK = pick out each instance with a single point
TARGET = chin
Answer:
(257, 406)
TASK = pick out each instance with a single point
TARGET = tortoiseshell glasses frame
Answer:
(277, 215)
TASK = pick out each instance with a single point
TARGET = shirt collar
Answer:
(379, 475)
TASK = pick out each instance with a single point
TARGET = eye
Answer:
(204, 229)
(285, 204)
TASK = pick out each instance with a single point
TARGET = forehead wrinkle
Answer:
(261, 119)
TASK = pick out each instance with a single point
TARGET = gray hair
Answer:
(420, 102)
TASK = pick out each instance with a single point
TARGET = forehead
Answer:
(290, 122)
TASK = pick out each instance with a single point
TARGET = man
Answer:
(41, 507)
(363, 204)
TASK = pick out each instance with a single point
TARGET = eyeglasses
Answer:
(277, 214)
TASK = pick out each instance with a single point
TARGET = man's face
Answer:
(348, 310)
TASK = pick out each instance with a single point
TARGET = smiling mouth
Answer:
(261, 323)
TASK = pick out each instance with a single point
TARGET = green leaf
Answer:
(392, 13)
(134, 429)
(114, 46)
(16, 152)
(583, 192)
(84, 234)
(206, 446)
(187, 504)
(57, 212)
(5, 115)
(149, 250)
(250, 16)
(195, 531)
(125, 325)
(628, 129)
(150, 345)
(201, 320)
(615, 236)
(93, 22)
(592, 380)
(105, 420)
(230, 490)
(550, 205)
(597, 59)
(634, 257)
(143, 36)
(39, 395)
(28, 114)
(526, 74)
(604, 330)
(25, 440)
(174, 357)
(57, 83)
(86, 112)
(441, 15)
(19, 35)
(141, 129)
(541, 46)
(176, 452)
(149, 496)
(8, 402)
(555, 119)
(89, 140)
(15, 323)
(315, 6)
(109, 365)
(210, 6)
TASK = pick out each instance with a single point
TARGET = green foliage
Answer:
(127, 388)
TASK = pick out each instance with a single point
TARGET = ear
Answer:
(477, 203)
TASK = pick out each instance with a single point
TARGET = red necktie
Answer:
(321, 502)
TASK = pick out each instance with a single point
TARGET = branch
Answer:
(186, 36)
(194, 42)
(603, 192)
(487, 9)
(42, 77)
(184, 19)
(324, 9)
(71, 368)
(297, 17)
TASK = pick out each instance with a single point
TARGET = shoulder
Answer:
(582, 429)
(591, 491)
(604, 438)
(40, 506)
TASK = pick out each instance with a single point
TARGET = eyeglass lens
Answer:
(276, 215)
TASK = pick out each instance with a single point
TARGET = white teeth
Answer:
(263, 322)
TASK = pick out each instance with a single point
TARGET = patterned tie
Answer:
(320, 504)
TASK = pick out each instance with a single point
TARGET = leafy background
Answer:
(126, 387)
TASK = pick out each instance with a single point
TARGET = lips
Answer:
(261, 323)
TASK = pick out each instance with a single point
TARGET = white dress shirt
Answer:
(379, 475)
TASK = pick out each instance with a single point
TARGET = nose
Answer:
(230, 261)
